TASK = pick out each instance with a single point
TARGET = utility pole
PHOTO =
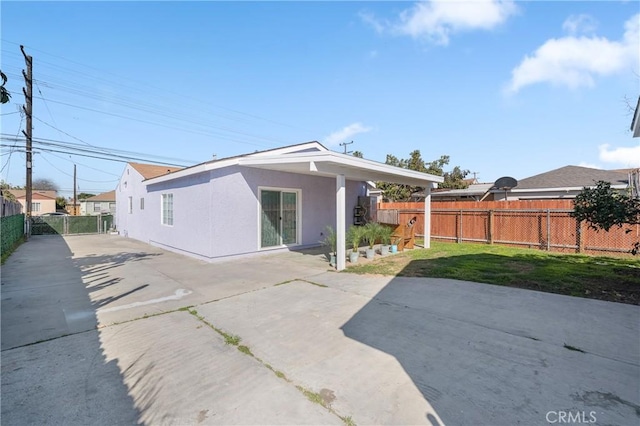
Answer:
(345, 146)
(28, 110)
(75, 186)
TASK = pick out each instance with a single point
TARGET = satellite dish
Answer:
(505, 183)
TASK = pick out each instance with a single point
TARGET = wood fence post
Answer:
(548, 229)
(491, 224)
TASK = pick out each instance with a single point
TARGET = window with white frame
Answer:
(167, 209)
(35, 207)
(130, 205)
(97, 208)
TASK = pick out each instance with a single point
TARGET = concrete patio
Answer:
(95, 331)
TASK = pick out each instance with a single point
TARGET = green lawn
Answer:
(605, 278)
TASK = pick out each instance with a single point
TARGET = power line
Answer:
(139, 83)
(104, 151)
(120, 160)
(85, 180)
(84, 165)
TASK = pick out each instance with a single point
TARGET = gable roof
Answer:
(573, 177)
(233, 160)
(314, 159)
(35, 194)
(149, 171)
(105, 196)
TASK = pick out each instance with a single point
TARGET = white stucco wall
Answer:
(216, 213)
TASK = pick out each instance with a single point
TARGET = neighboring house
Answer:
(41, 201)
(475, 192)
(565, 182)
(270, 200)
(104, 203)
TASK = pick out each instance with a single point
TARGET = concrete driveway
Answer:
(96, 330)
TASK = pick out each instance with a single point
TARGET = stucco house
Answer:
(41, 201)
(271, 200)
(104, 203)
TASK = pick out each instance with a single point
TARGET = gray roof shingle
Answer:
(573, 177)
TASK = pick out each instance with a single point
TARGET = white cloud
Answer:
(624, 156)
(345, 133)
(582, 23)
(370, 19)
(436, 20)
(576, 61)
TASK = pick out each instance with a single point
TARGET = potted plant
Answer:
(330, 240)
(354, 236)
(371, 235)
(385, 238)
(395, 239)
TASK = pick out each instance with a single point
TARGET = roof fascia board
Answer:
(344, 160)
(213, 165)
(288, 150)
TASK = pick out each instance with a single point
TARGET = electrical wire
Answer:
(104, 151)
(67, 174)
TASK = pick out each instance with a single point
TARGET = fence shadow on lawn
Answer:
(613, 280)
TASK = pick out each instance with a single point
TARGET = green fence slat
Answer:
(11, 230)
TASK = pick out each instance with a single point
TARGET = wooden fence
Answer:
(9, 208)
(543, 224)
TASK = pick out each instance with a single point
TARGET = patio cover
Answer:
(346, 167)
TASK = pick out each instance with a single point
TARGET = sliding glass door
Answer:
(279, 217)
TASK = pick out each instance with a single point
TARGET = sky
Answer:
(505, 88)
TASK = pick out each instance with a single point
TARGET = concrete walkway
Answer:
(95, 330)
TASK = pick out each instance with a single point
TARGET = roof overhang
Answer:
(332, 164)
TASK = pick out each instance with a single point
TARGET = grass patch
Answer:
(245, 350)
(314, 397)
(595, 277)
(573, 348)
(348, 421)
(231, 339)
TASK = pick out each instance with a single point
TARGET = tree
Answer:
(602, 207)
(397, 192)
(4, 186)
(455, 179)
(358, 154)
(61, 203)
(5, 96)
(44, 184)
(85, 195)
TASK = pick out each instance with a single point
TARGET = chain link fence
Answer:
(67, 225)
(11, 231)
